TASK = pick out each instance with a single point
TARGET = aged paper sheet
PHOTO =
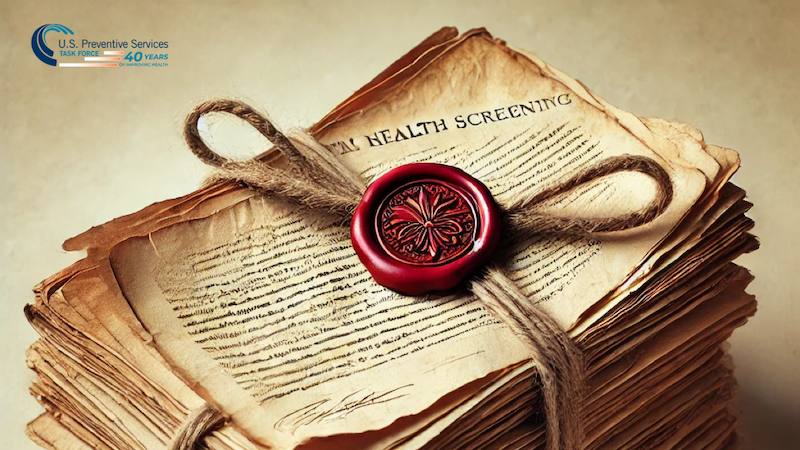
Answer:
(505, 120)
(305, 339)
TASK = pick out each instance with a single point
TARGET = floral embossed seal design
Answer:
(424, 227)
(427, 222)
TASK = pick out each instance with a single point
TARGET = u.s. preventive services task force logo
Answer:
(121, 53)
(39, 42)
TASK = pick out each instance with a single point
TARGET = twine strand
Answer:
(525, 215)
(197, 425)
(316, 179)
(559, 361)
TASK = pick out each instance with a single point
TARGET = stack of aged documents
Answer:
(262, 309)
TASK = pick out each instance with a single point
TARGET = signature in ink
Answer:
(327, 410)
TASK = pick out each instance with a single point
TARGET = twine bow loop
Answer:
(314, 177)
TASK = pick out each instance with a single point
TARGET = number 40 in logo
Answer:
(133, 56)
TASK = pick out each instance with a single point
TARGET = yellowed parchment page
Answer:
(269, 309)
(495, 114)
(50, 434)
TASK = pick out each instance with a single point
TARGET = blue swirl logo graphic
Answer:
(39, 42)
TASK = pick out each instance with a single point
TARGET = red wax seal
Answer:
(425, 227)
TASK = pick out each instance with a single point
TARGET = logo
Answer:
(94, 52)
(39, 42)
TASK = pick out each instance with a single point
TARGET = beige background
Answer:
(82, 146)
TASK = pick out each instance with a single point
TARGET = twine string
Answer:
(314, 178)
(525, 214)
(559, 362)
(197, 425)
